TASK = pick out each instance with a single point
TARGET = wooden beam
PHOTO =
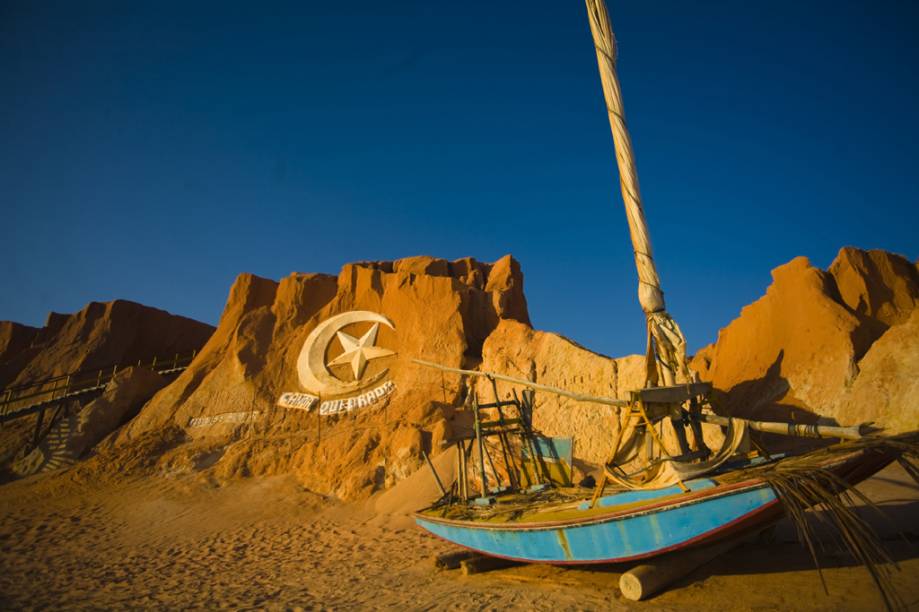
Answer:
(451, 560)
(673, 395)
(653, 576)
(580, 397)
(481, 563)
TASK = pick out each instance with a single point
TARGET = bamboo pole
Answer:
(440, 485)
(854, 432)
(579, 397)
(481, 443)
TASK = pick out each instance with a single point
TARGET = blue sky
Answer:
(153, 150)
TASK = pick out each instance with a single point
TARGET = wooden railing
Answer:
(27, 398)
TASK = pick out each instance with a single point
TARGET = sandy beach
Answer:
(72, 542)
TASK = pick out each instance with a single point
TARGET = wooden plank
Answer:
(643, 581)
(481, 563)
(498, 404)
(673, 395)
(580, 397)
(451, 560)
(503, 422)
(22, 412)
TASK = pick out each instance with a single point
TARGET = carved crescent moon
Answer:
(311, 368)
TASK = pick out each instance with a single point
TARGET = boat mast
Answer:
(666, 354)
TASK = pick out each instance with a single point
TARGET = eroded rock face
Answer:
(518, 350)
(880, 285)
(75, 434)
(887, 385)
(795, 352)
(838, 344)
(15, 344)
(793, 345)
(100, 335)
(226, 401)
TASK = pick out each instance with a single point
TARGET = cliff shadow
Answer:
(763, 399)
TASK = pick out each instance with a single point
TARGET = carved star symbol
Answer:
(358, 351)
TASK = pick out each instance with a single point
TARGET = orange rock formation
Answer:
(101, 334)
(226, 400)
(840, 344)
(801, 351)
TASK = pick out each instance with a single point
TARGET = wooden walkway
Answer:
(35, 397)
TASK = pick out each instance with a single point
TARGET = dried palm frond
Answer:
(804, 483)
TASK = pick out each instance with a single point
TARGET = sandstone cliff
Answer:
(518, 350)
(226, 401)
(839, 344)
(79, 431)
(101, 334)
(15, 344)
(801, 351)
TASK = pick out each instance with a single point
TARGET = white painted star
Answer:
(358, 351)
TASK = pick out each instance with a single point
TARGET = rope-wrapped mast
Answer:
(666, 344)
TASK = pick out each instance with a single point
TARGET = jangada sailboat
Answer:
(663, 487)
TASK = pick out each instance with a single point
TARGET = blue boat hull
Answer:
(653, 527)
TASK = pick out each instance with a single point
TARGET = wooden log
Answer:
(580, 397)
(481, 563)
(853, 432)
(451, 560)
(643, 581)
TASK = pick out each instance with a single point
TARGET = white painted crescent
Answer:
(311, 367)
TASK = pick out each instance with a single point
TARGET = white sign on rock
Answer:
(226, 417)
(299, 401)
(319, 381)
(359, 401)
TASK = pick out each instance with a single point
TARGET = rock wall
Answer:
(226, 400)
(75, 434)
(801, 351)
(876, 284)
(518, 350)
(887, 386)
(839, 344)
(101, 334)
(15, 343)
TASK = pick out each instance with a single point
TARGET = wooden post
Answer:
(656, 437)
(643, 581)
(524, 444)
(440, 485)
(41, 417)
(502, 439)
(461, 467)
(481, 563)
(175, 362)
(451, 560)
(481, 443)
(540, 470)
